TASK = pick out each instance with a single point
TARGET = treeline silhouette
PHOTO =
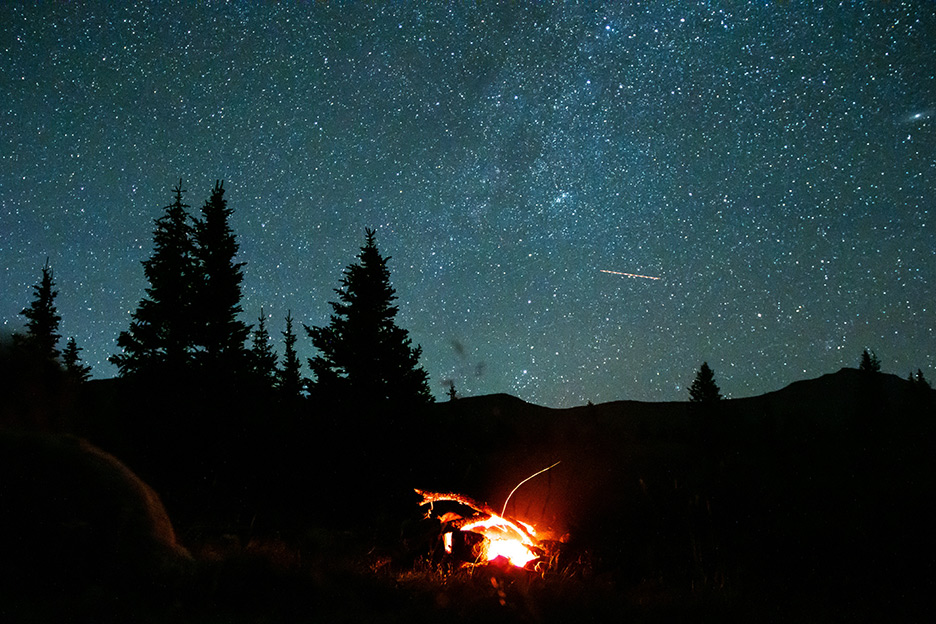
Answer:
(203, 408)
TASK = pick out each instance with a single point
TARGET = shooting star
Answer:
(629, 274)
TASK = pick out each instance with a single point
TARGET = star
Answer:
(503, 152)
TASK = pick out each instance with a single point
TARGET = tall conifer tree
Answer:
(221, 337)
(703, 388)
(363, 355)
(42, 319)
(161, 330)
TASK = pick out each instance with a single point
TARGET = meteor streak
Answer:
(629, 274)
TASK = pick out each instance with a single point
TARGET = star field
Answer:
(772, 163)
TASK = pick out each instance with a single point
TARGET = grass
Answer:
(325, 575)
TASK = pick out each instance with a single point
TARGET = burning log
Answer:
(484, 510)
(500, 536)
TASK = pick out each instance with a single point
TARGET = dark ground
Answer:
(813, 503)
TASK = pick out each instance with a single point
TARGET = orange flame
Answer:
(504, 540)
(507, 538)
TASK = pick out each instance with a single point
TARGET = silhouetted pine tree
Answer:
(220, 337)
(262, 353)
(363, 355)
(703, 388)
(289, 377)
(42, 320)
(869, 362)
(920, 388)
(161, 330)
(72, 361)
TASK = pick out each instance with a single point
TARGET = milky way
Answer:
(772, 163)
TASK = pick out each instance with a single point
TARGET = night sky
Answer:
(773, 163)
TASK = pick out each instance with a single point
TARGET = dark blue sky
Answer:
(773, 163)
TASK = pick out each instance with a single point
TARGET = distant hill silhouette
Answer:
(831, 401)
(833, 393)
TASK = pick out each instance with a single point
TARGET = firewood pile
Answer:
(486, 536)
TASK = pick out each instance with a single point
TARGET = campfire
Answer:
(486, 536)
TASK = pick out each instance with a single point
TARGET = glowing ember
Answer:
(504, 541)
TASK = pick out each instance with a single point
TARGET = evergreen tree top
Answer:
(703, 388)
(363, 354)
(264, 357)
(289, 377)
(216, 305)
(366, 294)
(72, 361)
(161, 329)
(42, 318)
(177, 190)
(869, 362)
